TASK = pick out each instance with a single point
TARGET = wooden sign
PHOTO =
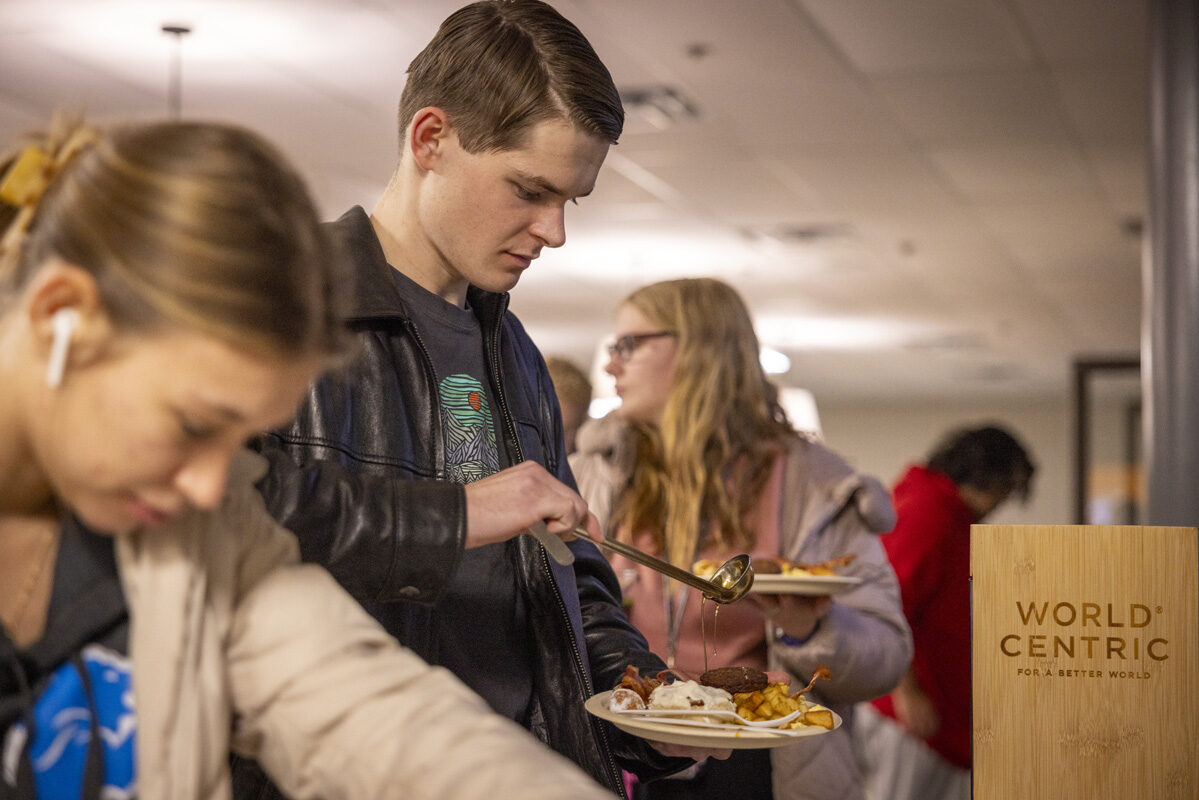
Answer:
(1085, 660)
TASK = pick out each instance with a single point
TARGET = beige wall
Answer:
(882, 439)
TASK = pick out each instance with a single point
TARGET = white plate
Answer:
(811, 585)
(715, 736)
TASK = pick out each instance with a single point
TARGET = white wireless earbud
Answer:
(64, 322)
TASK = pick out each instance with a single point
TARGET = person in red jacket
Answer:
(915, 742)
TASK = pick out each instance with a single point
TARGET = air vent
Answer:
(810, 233)
(993, 373)
(661, 106)
(960, 340)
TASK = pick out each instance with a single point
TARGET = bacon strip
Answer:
(634, 681)
(821, 673)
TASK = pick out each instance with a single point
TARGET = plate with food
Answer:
(811, 585)
(695, 713)
(782, 576)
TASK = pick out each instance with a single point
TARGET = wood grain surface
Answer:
(1085, 661)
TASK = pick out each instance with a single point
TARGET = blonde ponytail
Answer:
(181, 224)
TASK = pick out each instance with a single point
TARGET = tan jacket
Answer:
(236, 645)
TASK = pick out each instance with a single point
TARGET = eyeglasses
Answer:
(622, 349)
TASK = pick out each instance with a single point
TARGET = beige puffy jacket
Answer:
(236, 645)
(827, 510)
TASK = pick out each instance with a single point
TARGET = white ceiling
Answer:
(919, 198)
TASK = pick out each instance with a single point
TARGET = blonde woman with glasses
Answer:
(700, 462)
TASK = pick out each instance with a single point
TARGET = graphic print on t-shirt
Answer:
(470, 450)
(64, 726)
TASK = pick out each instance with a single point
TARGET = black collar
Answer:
(376, 296)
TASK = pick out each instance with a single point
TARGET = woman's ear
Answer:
(68, 321)
(429, 136)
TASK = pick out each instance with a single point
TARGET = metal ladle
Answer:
(728, 584)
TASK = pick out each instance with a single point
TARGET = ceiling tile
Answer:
(976, 106)
(1108, 106)
(1064, 238)
(867, 181)
(990, 173)
(1069, 31)
(922, 35)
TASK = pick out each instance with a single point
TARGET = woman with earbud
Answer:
(165, 293)
(699, 462)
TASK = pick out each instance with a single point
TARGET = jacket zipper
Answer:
(581, 673)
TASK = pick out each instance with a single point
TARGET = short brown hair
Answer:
(570, 382)
(181, 223)
(499, 67)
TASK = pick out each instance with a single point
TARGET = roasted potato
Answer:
(817, 716)
(769, 703)
(774, 702)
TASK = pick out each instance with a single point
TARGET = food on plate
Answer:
(767, 565)
(637, 692)
(822, 568)
(687, 695)
(770, 701)
(635, 682)
(774, 702)
(819, 716)
(626, 700)
(735, 679)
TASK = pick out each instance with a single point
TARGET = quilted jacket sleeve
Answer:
(334, 708)
(864, 639)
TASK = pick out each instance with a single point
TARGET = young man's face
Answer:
(488, 215)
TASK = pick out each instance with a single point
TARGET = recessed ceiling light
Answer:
(602, 406)
(774, 362)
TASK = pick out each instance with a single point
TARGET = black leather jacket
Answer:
(360, 478)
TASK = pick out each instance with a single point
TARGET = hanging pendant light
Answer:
(175, 76)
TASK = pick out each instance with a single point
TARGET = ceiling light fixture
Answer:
(660, 106)
(774, 362)
(175, 75)
(803, 332)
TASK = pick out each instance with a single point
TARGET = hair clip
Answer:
(27, 177)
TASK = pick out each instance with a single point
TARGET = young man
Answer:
(413, 472)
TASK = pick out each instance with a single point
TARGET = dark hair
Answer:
(498, 67)
(570, 382)
(987, 458)
(182, 223)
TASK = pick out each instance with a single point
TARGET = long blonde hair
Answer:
(700, 471)
(179, 223)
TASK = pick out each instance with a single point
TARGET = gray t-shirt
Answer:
(481, 623)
